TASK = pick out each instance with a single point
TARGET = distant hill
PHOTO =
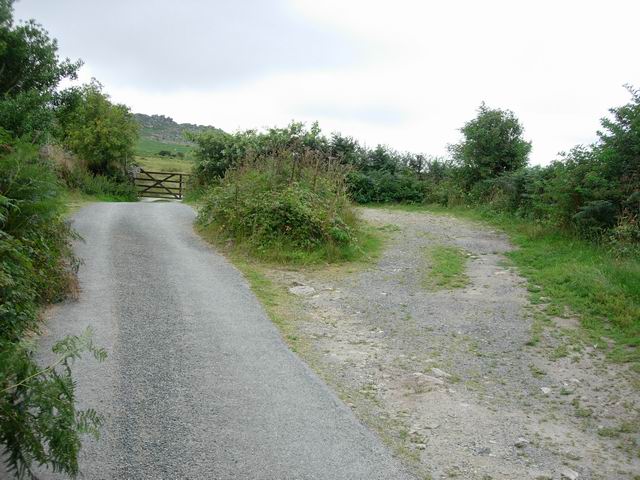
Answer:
(165, 130)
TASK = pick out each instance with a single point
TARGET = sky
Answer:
(403, 73)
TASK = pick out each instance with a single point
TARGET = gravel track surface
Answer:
(198, 383)
(451, 378)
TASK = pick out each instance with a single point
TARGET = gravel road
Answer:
(451, 378)
(198, 383)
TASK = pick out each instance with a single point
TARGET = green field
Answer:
(147, 156)
(149, 147)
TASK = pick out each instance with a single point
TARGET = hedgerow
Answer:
(284, 208)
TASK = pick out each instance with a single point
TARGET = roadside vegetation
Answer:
(285, 208)
(576, 221)
(54, 144)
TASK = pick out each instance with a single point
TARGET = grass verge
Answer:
(446, 268)
(368, 246)
(569, 275)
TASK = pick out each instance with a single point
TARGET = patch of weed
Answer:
(446, 268)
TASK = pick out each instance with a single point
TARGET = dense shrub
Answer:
(37, 267)
(101, 186)
(74, 174)
(380, 186)
(378, 175)
(284, 207)
(592, 191)
(100, 132)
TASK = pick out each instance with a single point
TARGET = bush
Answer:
(381, 186)
(378, 175)
(284, 208)
(75, 176)
(102, 133)
(38, 419)
(101, 186)
(492, 146)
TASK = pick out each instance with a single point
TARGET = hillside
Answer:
(164, 129)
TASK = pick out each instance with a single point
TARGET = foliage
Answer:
(75, 176)
(284, 207)
(382, 186)
(45, 429)
(492, 145)
(376, 175)
(39, 422)
(38, 419)
(592, 191)
(30, 72)
(216, 152)
(100, 132)
(101, 187)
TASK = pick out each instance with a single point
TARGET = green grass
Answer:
(147, 156)
(149, 147)
(164, 164)
(580, 278)
(446, 270)
(368, 247)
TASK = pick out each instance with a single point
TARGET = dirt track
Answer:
(447, 377)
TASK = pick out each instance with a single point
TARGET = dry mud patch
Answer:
(449, 378)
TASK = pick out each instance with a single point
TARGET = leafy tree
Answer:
(30, 70)
(620, 150)
(492, 145)
(98, 131)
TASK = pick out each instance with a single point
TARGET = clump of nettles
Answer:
(284, 207)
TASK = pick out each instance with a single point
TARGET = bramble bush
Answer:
(284, 207)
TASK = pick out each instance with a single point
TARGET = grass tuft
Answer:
(447, 267)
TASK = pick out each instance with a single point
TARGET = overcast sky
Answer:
(404, 73)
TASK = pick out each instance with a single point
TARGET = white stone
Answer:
(440, 373)
(302, 290)
(568, 474)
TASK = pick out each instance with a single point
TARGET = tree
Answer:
(620, 150)
(492, 145)
(39, 422)
(30, 71)
(98, 131)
